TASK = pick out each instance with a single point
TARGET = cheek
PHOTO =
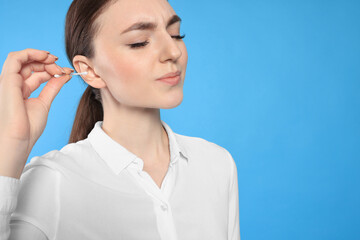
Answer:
(118, 65)
(132, 72)
(183, 61)
(184, 57)
(130, 77)
(125, 69)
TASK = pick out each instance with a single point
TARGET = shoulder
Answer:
(205, 152)
(73, 157)
(209, 163)
(198, 145)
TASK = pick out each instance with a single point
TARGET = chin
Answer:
(171, 101)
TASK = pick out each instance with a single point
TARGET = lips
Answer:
(169, 75)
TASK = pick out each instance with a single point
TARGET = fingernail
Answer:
(72, 70)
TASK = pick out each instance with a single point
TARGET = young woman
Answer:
(124, 174)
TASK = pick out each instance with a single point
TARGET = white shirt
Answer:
(95, 189)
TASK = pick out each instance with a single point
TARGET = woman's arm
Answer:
(9, 189)
(233, 220)
(29, 206)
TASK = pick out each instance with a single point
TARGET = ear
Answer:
(84, 64)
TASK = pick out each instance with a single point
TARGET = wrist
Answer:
(13, 157)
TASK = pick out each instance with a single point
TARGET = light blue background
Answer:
(275, 82)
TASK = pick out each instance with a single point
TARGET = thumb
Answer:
(53, 86)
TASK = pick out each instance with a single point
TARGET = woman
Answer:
(124, 174)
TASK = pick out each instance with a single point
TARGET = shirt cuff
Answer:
(9, 190)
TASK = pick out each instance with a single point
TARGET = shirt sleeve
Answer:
(233, 220)
(29, 206)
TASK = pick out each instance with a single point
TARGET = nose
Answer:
(170, 49)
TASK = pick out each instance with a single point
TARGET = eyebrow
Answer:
(150, 25)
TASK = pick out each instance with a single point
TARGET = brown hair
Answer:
(80, 30)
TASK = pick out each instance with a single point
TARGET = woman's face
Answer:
(129, 72)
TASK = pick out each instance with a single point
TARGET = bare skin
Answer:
(127, 77)
(132, 97)
(23, 120)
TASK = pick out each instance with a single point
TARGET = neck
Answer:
(140, 131)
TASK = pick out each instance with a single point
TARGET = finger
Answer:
(28, 68)
(68, 70)
(52, 88)
(34, 82)
(66, 77)
(16, 60)
(36, 79)
(52, 69)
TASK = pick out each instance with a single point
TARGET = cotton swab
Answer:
(82, 73)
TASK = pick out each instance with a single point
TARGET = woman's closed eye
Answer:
(143, 44)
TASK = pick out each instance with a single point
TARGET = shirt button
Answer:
(164, 207)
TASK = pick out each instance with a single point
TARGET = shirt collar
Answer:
(118, 157)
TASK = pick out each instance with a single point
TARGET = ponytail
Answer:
(80, 29)
(89, 111)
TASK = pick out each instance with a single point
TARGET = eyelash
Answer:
(143, 44)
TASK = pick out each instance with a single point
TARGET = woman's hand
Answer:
(23, 120)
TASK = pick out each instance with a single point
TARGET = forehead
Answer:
(123, 13)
